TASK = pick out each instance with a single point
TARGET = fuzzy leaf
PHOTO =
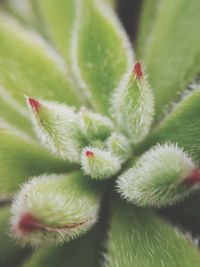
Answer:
(133, 105)
(162, 176)
(99, 163)
(10, 253)
(100, 51)
(29, 66)
(54, 209)
(181, 126)
(77, 253)
(173, 58)
(20, 157)
(119, 145)
(94, 125)
(56, 14)
(139, 238)
(56, 126)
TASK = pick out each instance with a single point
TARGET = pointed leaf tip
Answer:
(57, 128)
(163, 176)
(89, 154)
(35, 104)
(28, 223)
(193, 178)
(132, 105)
(99, 163)
(54, 209)
(137, 70)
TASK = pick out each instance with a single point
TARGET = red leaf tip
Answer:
(193, 178)
(89, 154)
(137, 70)
(35, 104)
(28, 223)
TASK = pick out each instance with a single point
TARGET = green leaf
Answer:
(162, 176)
(181, 126)
(147, 20)
(95, 126)
(139, 238)
(25, 11)
(29, 66)
(13, 113)
(99, 163)
(59, 18)
(10, 253)
(57, 128)
(77, 253)
(55, 208)
(173, 57)
(100, 51)
(20, 158)
(133, 105)
(119, 145)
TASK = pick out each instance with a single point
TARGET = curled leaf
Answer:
(133, 105)
(54, 208)
(99, 163)
(57, 128)
(162, 176)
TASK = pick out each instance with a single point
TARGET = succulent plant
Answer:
(97, 141)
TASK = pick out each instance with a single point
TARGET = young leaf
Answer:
(99, 163)
(162, 176)
(29, 66)
(173, 57)
(100, 51)
(139, 238)
(119, 145)
(181, 126)
(20, 158)
(56, 126)
(77, 253)
(132, 105)
(94, 125)
(54, 209)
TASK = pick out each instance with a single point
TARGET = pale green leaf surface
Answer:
(78, 253)
(147, 19)
(173, 57)
(162, 176)
(101, 52)
(139, 238)
(14, 114)
(29, 66)
(63, 207)
(133, 105)
(181, 126)
(25, 11)
(59, 18)
(21, 158)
